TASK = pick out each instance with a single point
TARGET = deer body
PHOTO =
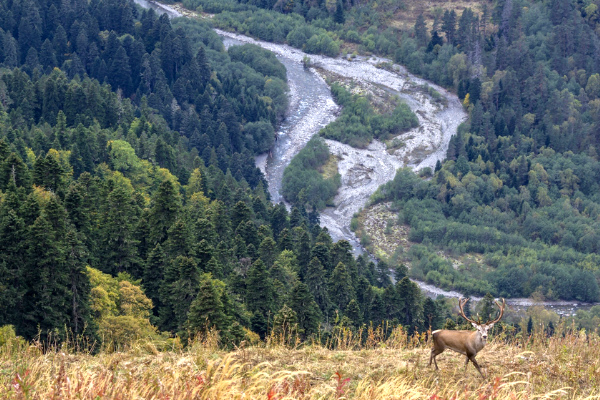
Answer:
(468, 343)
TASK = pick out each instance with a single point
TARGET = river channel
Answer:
(362, 171)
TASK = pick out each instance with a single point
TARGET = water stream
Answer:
(362, 170)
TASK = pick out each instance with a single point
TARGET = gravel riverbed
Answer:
(362, 170)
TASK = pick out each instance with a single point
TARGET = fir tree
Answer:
(315, 280)
(164, 211)
(207, 309)
(306, 309)
(259, 297)
(341, 290)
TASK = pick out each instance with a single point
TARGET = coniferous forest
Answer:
(130, 202)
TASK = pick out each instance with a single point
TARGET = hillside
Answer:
(556, 368)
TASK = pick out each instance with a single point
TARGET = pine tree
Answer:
(529, 326)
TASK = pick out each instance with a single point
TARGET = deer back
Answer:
(460, 341)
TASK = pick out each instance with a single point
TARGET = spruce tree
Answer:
(12, 259)
(153, 275)
(353, 313)
(166, 204)
(47, 277)
(488, 308)
(120, 71)
(411, 310)
(341, 290)
(339, 17)
(259, 297)
(207, 309)
(185, 288)
(306, 309)
(316, 281)
(383, 274)
(118, 246)
(267, 251)
(420, 31)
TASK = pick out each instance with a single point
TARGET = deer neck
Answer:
(479, 343)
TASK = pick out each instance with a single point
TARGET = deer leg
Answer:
(472, 358)
(434, 353)
(466, 362)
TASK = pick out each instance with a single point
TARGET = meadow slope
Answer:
(561, 367)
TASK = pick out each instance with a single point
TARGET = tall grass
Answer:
(368, 364)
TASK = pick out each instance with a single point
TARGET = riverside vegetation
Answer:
(520, 184)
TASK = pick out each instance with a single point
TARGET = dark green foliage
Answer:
(316, 281)
(207, 309)
(302, 183)
(259, 297)
(307, 310)
(259, 59)
(341, 290)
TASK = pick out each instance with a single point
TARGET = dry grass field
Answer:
(561, 367)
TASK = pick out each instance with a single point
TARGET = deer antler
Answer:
(461, 304)
(501, 307)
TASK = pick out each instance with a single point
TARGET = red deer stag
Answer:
(468, 343)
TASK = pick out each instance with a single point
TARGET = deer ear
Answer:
(490, 326)
(474, 325)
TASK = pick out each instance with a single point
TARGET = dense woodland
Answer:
(130, 204)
